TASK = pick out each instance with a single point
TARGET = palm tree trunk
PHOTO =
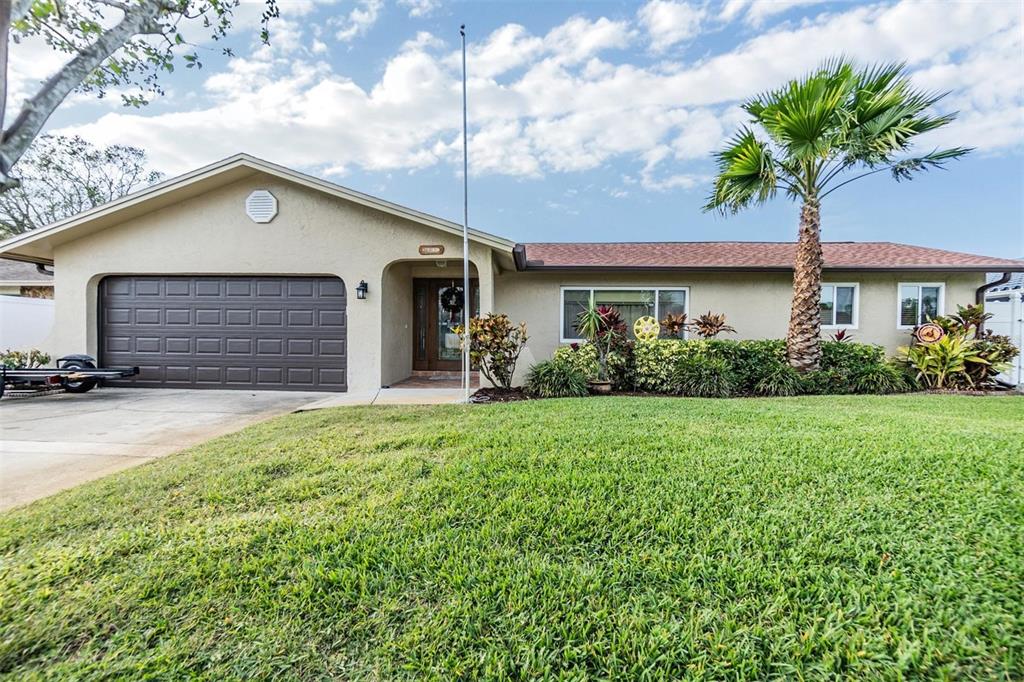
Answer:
(803, 342)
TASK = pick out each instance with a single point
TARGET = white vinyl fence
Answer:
(25, 323)
(1008, 319)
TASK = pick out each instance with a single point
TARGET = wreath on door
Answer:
(451, 300)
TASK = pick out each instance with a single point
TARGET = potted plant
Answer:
(602, 327)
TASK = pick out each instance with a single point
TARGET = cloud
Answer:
(360, 20)
(420, 8)
(668, 23)
(570, 99)
(755, 12)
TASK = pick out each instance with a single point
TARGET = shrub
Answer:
(17, 359)
(849, 357)
(780, 380)
(582, 357)
(655, 362)
(751, 360)
(943, 364)
(703, 378)
(554, 379)
(826, 382)
(878, 379)
(494, 346)
(997, 351)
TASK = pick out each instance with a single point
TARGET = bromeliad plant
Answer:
(494, 346)
(803, 139)
(603, 328)
(675, 324)
(709, 325)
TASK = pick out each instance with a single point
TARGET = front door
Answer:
(437, 310)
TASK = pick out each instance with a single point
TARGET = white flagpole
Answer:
(466, 310)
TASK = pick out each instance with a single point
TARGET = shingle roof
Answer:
(753, 256)
(1016, 282)
(16, 271)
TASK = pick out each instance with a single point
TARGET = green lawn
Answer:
(629, 538)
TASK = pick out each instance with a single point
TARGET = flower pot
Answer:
(600, 387)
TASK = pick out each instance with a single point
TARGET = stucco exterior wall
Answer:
(313, 234)
(756, 304)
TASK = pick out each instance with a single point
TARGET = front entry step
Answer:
(432, 379)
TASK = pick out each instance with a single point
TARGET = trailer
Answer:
(73, 373)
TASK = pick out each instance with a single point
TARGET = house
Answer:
(24, 279)
(1005, 301)
(247, 274)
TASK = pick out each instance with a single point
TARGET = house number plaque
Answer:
(431, 249)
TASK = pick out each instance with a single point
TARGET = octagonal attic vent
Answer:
(261, 206)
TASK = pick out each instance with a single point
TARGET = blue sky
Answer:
(590, 121)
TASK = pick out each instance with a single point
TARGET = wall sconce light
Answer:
(361, 290)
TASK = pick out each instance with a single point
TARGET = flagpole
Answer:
(466, 310)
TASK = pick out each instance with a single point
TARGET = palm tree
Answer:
(817, 129)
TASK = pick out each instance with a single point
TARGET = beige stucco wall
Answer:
(313, 234)
(756, 304)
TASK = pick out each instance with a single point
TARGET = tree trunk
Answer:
(803, 342)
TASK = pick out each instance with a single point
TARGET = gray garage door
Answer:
(226, 332)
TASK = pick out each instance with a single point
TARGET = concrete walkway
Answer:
(389, 396)
(52, 442)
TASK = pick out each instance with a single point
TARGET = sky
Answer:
(589, 121)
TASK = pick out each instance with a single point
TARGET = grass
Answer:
(629, 538)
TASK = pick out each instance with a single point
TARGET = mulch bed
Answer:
(503, 395)
(499, 395)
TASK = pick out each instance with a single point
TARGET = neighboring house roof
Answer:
(17, 274)
(750, 256)
(37, 246)
(1016, 282)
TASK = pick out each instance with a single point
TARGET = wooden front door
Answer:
(437, 310)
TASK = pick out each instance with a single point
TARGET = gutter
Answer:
(979, 294)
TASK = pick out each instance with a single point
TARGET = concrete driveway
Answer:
(49, 443)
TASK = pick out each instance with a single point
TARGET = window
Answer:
(632, 304)
(920, 303)
(839, 306)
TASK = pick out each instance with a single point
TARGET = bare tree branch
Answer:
(33, 115)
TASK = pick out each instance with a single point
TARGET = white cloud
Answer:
(755, 12)
(668, 23)
(420, 8)
(564, 101)
(360, 20)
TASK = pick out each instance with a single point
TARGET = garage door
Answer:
(226, 332)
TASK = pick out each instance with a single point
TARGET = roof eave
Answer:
(533, 266)
(237, 161)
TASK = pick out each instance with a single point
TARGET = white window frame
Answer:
(856, 305)
(575, 287)
(919, 285)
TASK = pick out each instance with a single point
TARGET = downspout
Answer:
(979, 294)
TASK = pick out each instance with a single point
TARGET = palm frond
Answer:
(905, 169)
(823, 126)
(800, 116)
(746, 174)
